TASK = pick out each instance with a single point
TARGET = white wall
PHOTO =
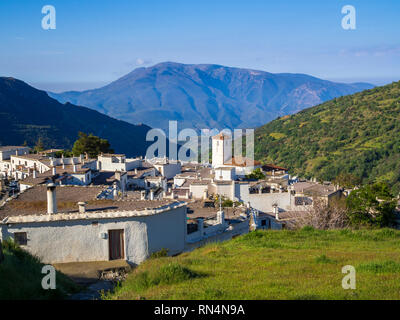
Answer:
(197, 190)
(169, 170)
(221, 151)
(120, 164)
(5, 155)
(79, 240)
(263, 202)
(224, 174)
(28, 163)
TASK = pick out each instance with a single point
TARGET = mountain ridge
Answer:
(357, 134)
(207, 95)
(28, 114)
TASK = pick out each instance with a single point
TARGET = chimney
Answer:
(115, 190)
(151, 194)
(136, 171)
(200, 226)
(276, 212)
(74, 167)
(142, 195)
(53, 171)
(221, 217)
(82, 207)
(34, 173)
(51, 199)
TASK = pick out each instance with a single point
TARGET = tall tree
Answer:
(39, 145)
(371, 205)
(90, 145)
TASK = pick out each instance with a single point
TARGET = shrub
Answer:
(159, 254)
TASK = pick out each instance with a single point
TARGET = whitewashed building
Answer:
(69, 224)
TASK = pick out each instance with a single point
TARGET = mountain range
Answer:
(207, 96)
(357, 134)
(27, 114)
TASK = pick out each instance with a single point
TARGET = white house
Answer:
(69, 224)
(168, 168)
(117, 162)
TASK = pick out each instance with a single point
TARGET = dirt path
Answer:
(96, 277)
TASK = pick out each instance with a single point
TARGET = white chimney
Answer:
(151, 194)
(34, 173)
(82, 207)
(74, 167)
(115, 190)
(53, 171)
(276, 212)
(51, 199)
(221, 217)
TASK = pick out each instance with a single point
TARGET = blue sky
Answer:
(97, 41)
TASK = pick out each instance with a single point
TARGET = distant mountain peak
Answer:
(207, 95)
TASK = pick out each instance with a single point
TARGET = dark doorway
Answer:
(116, 244)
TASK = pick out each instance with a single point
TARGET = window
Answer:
(21, 238)
(263, 223)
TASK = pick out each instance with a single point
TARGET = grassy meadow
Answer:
(21, 277)
(304, 264)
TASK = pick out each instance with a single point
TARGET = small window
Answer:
(21, 238)
(263, 223)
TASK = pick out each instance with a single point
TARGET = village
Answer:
(79, 209)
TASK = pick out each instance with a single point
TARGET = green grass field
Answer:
(303, 264)
(21, 277)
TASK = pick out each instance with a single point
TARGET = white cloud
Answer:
(142, 62)
(377, 51)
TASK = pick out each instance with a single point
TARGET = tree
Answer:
(372, 205)
(91, 145)
(256, 174)
(39, 146)
(347, 180)
(322, 216)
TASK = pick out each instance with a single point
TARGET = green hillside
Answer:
(304, 264)
(21, 277)
(357, 134)
(27, 114)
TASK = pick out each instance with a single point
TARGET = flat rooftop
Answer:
(8, 148)
(196, 209)
(33, 202)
